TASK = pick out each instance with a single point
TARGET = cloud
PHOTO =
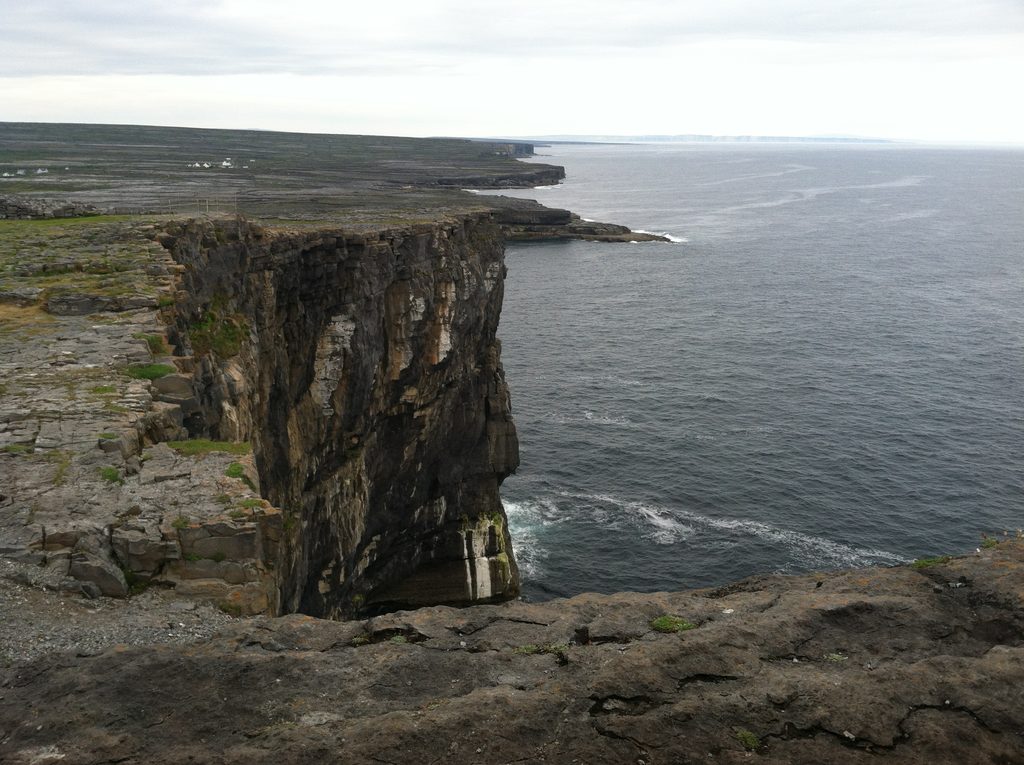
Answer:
(390, 37)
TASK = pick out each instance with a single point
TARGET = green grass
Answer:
(238, 514)
(669, 623)
(835, 658)
(235, 470)
(921, 563)
(249, 504)
(988, 542)
(150, 371)
(179, 523)
(108, 436)
(111, 474)
(219, 332)
(102, 390)
(156, 343)
(198, 446)
(16, 448)
(748, 739)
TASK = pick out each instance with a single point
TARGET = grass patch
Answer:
(108, 436)
(238, 514)
(103, 390)
(111, 474)
(16, 449)
(164, 301)
(988, 542)
(235, 470)
(921, 563)
(747, 739)
(198, 446)
(249, 504)
(835, 658)
(179, 523)
(218, 332)
(150, 371)
(669, 623)
(156, 343)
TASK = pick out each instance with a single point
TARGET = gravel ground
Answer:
(35, 621)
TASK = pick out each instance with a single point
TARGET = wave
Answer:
(665, 525)
(587, 416)
(670, 237)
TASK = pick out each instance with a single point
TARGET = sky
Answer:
(929, 70)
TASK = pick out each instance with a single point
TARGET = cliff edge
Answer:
(903, 665)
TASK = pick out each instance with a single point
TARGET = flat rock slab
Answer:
(900, 664)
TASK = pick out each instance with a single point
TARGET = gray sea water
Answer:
(827, 371)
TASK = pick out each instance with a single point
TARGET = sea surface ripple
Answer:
(825, 371)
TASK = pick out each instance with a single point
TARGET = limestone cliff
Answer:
(365, 370)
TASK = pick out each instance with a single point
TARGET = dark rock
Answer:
(870, 666)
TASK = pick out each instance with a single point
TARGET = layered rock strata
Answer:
(315, 420)
(368, 377)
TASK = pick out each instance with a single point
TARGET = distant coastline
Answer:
(702, 138)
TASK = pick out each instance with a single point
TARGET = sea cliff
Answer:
(216, 429)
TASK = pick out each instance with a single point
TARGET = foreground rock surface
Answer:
(902, 665)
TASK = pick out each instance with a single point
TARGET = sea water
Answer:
(825, 370)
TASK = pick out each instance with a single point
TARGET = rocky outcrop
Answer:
(524, 177)
(25, 208)
(348, 387)
(524, 220)
(366, 372)
(904, 665)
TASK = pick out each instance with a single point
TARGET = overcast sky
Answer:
(946, 70)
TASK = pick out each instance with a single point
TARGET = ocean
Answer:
(825, 370)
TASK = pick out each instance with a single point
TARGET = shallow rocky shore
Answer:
(904, 665)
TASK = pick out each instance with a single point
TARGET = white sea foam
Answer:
(670, 237)
(666, 525)
(525, 521)
(589, 417)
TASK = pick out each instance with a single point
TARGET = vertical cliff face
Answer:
(366, 371)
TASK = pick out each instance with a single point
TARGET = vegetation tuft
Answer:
(199, 446)
(669, 623)
(111, 474)
(150, 371)
(748, 739)
(219, 332)
(156, 343)
(921, 563)
(235, 470)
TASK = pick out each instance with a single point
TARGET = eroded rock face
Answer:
(368, 377)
